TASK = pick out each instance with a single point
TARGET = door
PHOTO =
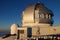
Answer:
(29, 32)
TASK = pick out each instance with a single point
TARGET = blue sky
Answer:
(11, 11)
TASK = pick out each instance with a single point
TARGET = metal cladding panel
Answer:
(28, 16)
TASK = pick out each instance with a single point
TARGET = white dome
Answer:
(14, 28)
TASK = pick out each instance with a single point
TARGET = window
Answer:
(41, 15)
(47, 16)
(21, 31)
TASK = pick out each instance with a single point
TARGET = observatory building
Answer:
(37, 22)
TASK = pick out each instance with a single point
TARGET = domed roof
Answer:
(14, 25)
(37, 13)
(14, 28)
(40, 6)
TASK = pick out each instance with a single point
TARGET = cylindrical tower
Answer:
(14, 28)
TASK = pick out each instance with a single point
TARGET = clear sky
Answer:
(11, 10)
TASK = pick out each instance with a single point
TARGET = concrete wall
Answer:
(56, 29)
(46, 30)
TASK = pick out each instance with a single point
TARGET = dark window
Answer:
(21, 31)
